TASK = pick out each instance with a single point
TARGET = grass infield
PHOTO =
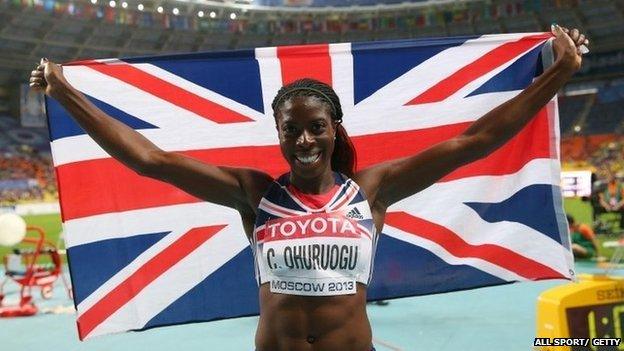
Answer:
(582, 213)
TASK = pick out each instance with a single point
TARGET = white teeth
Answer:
(308, 159)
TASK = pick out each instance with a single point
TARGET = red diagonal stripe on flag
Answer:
(531, 143)
(456, 246)
(167, 91)
(146, 274)
(105, 185)
(305, 61)
(488, 62)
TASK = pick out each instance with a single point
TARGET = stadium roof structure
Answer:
(322, 6)
(66, 30)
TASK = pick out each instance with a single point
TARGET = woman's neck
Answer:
(317, 185)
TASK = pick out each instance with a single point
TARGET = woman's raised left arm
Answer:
(392, 181)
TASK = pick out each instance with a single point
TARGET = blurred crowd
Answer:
(592, 126)
(606, 161)
(186, 17)
(602, 157)
(26, 175)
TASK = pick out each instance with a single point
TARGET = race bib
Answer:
(320, 254)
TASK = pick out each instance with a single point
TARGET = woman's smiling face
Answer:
(306, 134)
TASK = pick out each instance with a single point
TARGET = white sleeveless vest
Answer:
(300, 250)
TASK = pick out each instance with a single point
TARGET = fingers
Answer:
(44, 73)
(574, 34)
(38, 81)
(557, 30)
(42, 64)
(36, 86)
(577, 37)
(582, 50)
(37, 73)
(37, 76)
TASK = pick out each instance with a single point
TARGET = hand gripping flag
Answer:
(144, 254)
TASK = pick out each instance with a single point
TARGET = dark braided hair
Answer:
(343, 157)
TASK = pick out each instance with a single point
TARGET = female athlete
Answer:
(313, 290)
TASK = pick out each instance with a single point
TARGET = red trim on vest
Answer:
(316, 201)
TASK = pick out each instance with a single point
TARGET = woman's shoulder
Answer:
(255, 183)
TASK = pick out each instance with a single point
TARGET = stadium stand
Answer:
(64, 30)
(595, 108)
(605, 118)
(605, 115)
(570, 112)
(26, 172)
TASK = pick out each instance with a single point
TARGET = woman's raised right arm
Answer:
(238, 188)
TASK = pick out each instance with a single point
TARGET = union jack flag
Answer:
(143, 253)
